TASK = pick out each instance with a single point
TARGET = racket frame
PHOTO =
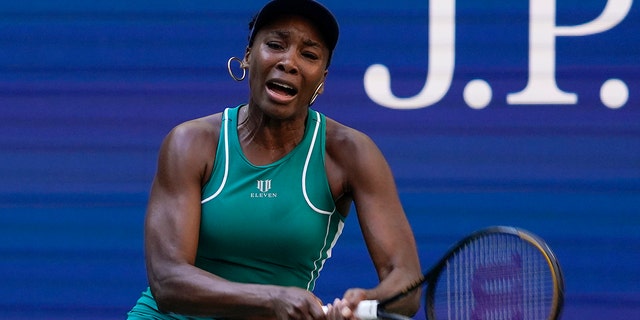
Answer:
(432, 275)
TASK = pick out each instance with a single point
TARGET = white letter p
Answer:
(541, 87)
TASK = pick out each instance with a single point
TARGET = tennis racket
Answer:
(497, 273)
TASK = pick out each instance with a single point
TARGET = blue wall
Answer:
(89, 89)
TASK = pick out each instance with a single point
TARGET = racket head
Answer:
(496, 273)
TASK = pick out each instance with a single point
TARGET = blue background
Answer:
(89, 89)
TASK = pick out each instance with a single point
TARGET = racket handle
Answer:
(366, 310)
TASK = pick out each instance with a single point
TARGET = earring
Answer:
(316, 93)
(242, 66)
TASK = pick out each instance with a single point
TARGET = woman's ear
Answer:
(320, 89)
(324, 78)
(245, 61)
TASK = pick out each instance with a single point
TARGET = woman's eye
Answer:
(310, 55)
(274, 45)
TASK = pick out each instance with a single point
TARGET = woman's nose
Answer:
(287, 64)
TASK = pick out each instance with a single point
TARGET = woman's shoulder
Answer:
(344, 135)
(347, 143)
(207, 127)
(199, 134)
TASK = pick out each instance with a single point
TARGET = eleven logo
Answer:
(264, 185)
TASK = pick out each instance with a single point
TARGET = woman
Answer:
(246, 204)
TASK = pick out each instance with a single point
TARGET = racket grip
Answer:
(366, 310)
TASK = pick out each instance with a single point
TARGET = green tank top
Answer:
(271, 224)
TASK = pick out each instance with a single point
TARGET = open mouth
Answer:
(282, 88)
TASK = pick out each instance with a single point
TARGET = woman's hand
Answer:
(296, 303)
(345, 308)
(339, 310)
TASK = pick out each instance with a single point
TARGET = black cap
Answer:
(319, 16)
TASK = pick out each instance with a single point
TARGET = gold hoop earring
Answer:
(316, 93)
(242, 66)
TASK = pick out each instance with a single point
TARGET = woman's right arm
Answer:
(171, 236)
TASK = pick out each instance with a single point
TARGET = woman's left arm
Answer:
(383, 222)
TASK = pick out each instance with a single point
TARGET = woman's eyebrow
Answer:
(281, 34)
(286, 35)
(312, 43)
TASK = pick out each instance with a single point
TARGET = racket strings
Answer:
(495, 277)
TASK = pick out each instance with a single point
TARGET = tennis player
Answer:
(247, 204)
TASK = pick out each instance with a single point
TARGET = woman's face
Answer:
(287, 62)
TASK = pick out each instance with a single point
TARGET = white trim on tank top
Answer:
(226, 157)
(304, 173)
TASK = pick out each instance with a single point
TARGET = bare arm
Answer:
(171, 238)
(384, 226)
